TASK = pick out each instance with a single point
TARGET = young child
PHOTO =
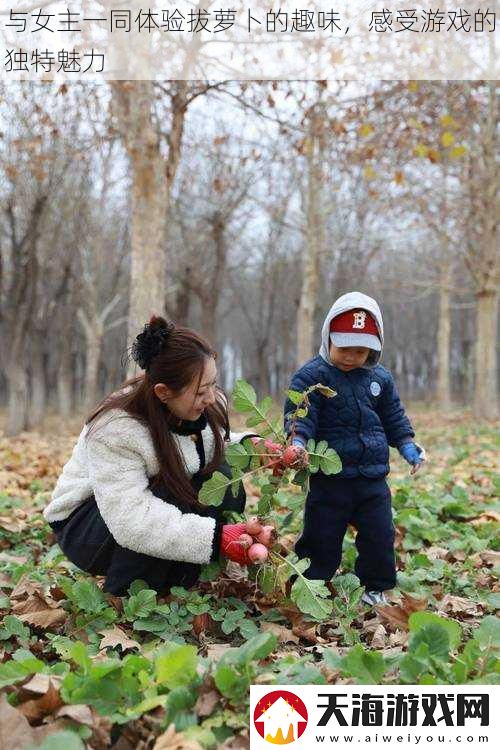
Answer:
(360, 422)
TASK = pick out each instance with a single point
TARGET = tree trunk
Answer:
(92, 356)
(483, 264)
(485, 390)
(148, 260)
(65, 377)
(183, 298)
(36, 411)
(211, 289)
(17, 405)
(152, 178)
(263, 385)
(64, 393)
(310, 273)
(22, 301)
(134, 106)
(443, 342)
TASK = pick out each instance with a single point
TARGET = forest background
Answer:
(243, 209)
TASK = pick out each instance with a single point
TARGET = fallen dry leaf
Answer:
(300, 626)
(38, 708)
(216, 650)
(16, 732)
(458, 605)
(307, 631)
(57, 593)
(397, 615)
(25, 587)
(490, 557)
(78, 712)
(235, 572)
(16, 559)
(398, 639)
(413, 604)
(34, 607)
(287, 541)
(13, 524)
(5, 580)
(436, 553)
(207, 702)
(115, 636)
(399, 536)
(39, 683)
(240, 742)
(284, 635)
(379, 639)
(203, 623)
(486, 517)
(476, 560)
(100, 656)
(47, 619)
(483, 579)
(171, 740)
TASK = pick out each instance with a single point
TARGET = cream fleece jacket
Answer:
(115, 464)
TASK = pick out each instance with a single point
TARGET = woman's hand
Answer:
(246, 543)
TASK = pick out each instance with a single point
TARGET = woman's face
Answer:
(191, 402)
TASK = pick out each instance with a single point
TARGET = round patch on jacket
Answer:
(375, 388)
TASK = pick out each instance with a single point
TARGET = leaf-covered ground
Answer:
(172, 672)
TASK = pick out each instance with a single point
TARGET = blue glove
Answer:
(298, 440)
(412, 453)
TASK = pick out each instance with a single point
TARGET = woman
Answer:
(125, 505)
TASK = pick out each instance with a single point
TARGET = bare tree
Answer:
(19, 299)
(482, 249)
(314, 235)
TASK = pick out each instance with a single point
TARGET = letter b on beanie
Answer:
(355, 328)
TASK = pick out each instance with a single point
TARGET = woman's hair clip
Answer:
(150, 342)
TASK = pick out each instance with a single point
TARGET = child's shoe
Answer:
(372, 598)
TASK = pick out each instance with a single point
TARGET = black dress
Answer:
(86, 540)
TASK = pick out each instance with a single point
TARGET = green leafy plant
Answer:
(246, 459)
(346, 605)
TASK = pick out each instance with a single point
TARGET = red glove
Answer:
(230, 546)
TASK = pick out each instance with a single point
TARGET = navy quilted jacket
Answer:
(366, 415)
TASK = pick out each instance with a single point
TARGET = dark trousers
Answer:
(331, 505)
(87, 542)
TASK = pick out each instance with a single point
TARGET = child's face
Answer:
(348, 357)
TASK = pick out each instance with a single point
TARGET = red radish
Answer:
(254, 526)
(293, 456)
(245, 540)
(272, 447)
(258, 553)
(267, 536)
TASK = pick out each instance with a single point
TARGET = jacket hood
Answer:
(352, 301)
